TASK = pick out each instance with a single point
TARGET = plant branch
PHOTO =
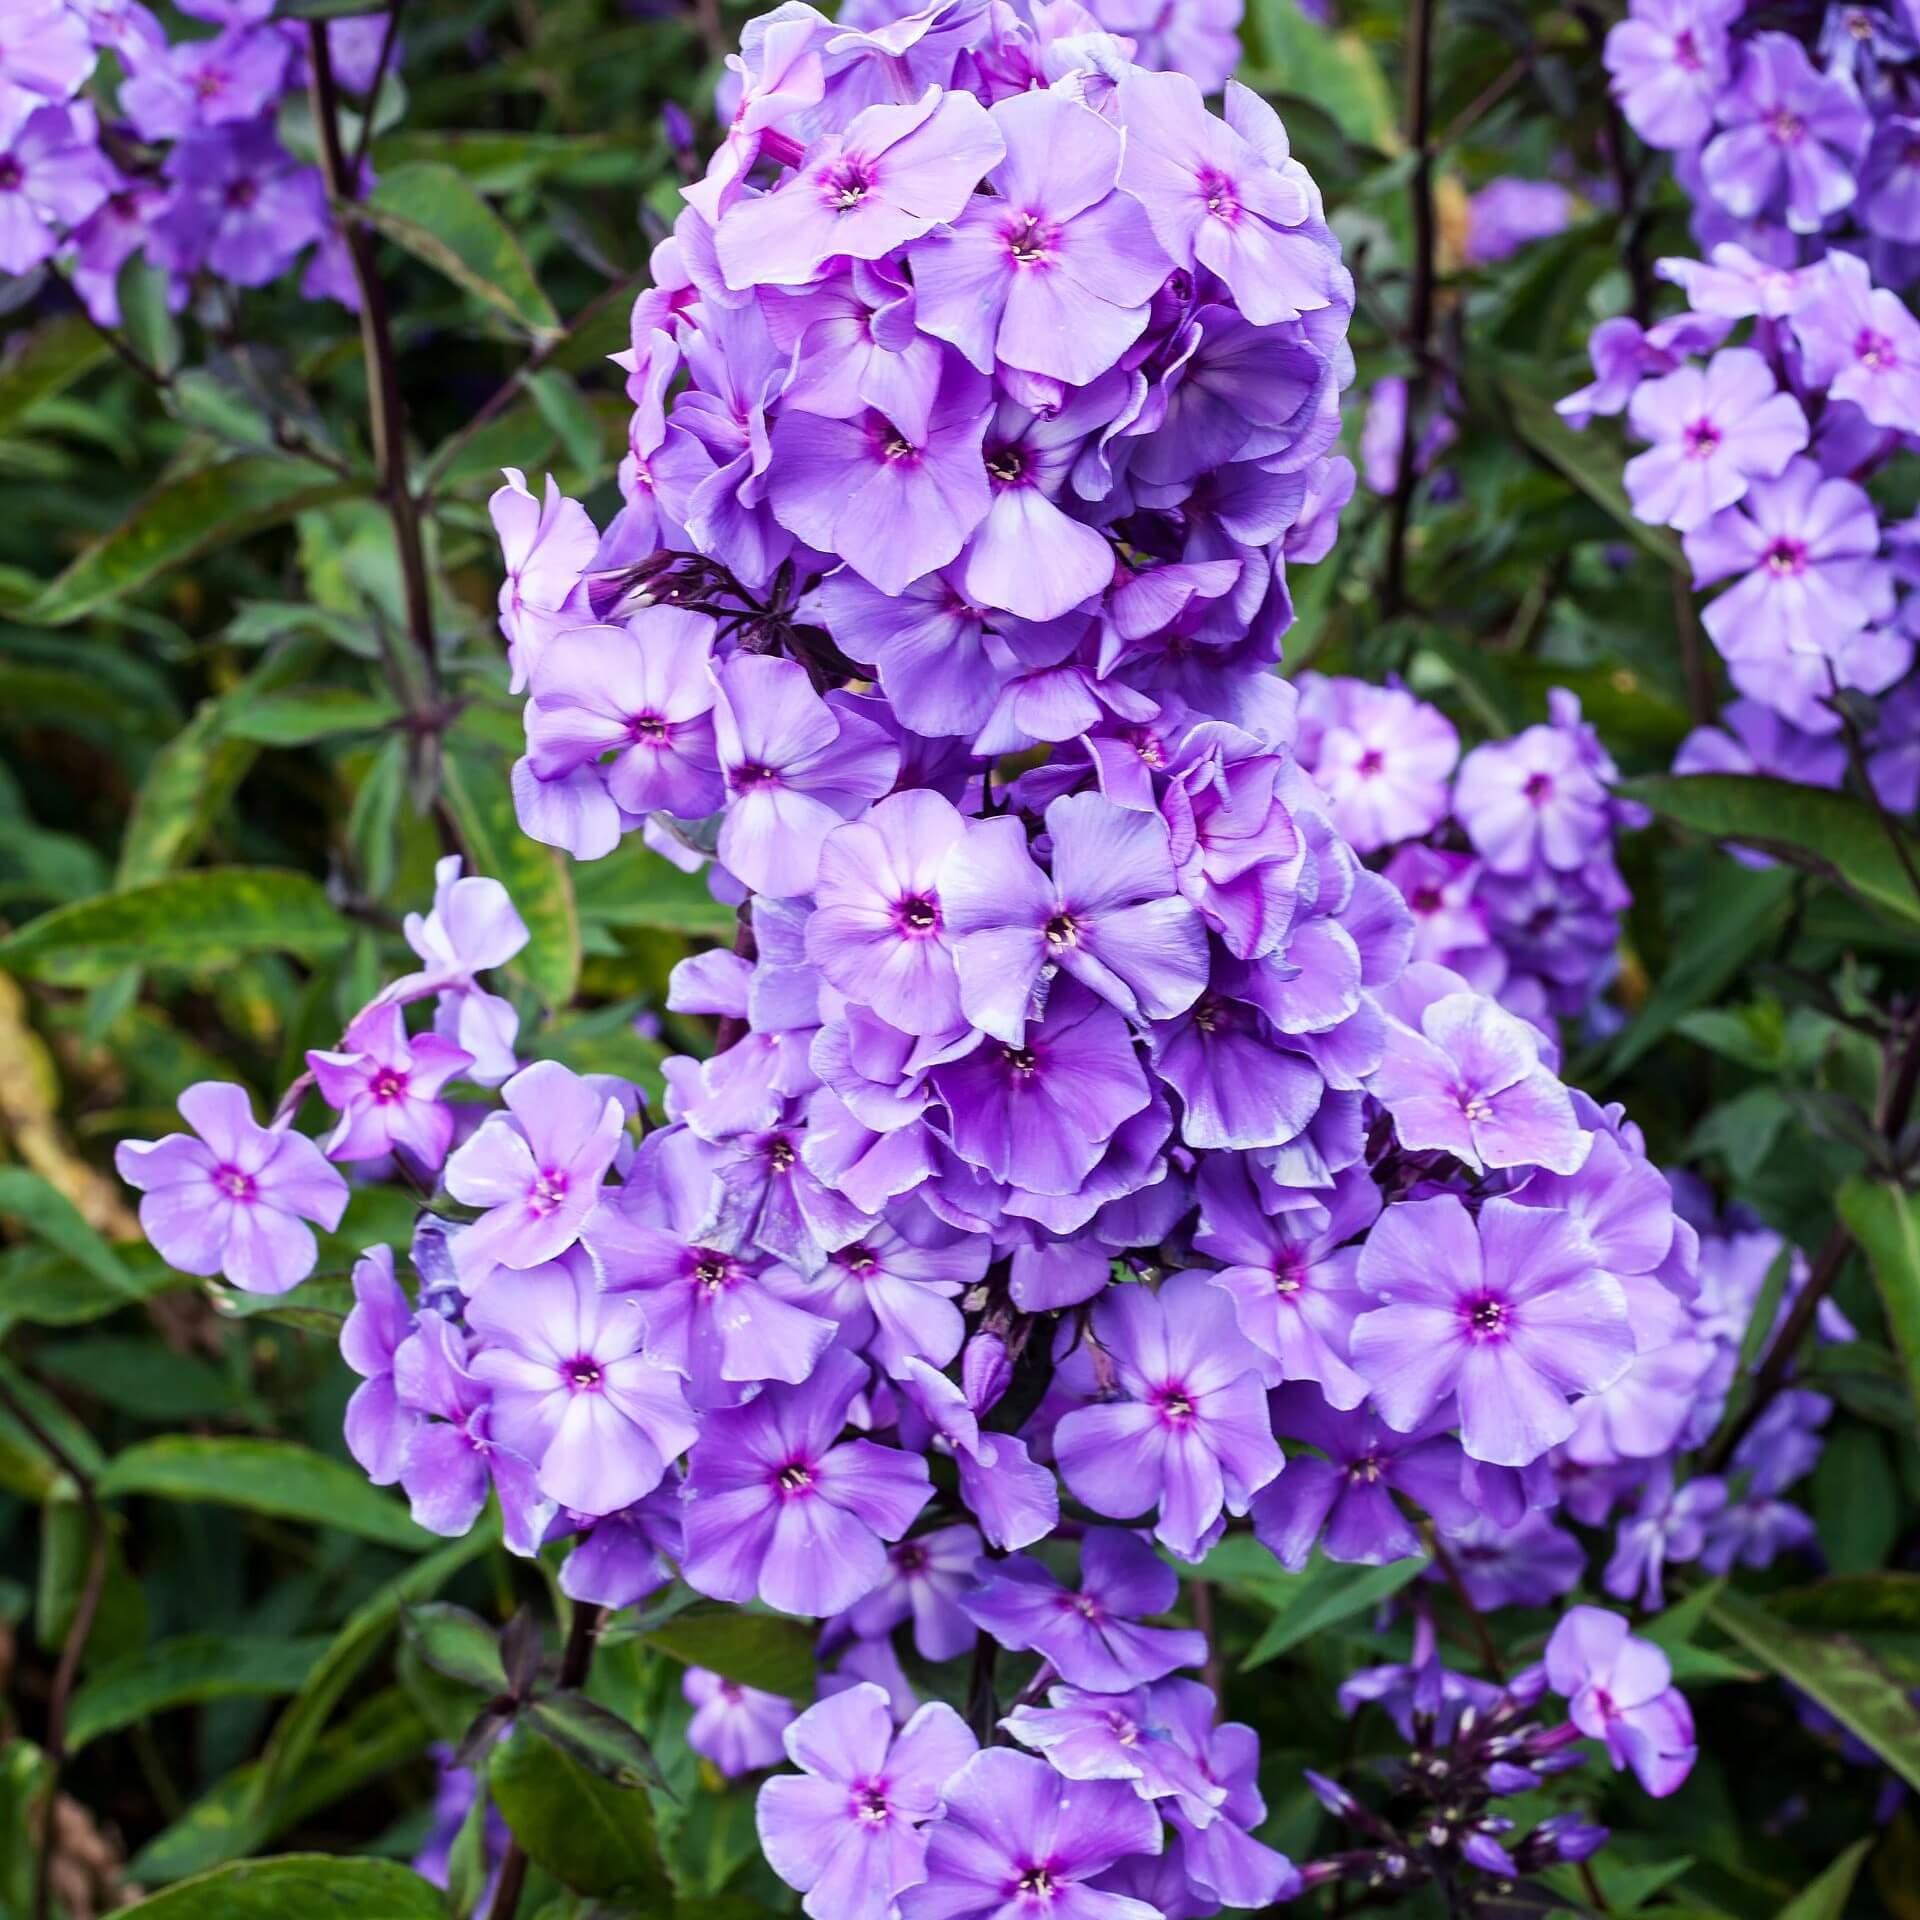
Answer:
(1476, 1620)
(79, 1630)
(389, 45)
(1419, 111)
(386, 410)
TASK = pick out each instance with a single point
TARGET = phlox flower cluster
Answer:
(1776, 406)
(1504, 857)
(1089, 1161)
(117, 141)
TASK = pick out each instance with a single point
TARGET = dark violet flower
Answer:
(849, 1830)
(385, 1085)
(1020, 1842)
(926, 1576)
(1110, 914)
(1670, 1528)
(536, 1169)
(1805, 547)
(1469, 1081)
(1011, 1495)
(1508, 1313)
(1192, 1434)
(1791, 138)
(625, 1556)
(778, 1506)
(1343, 1500)
(1669, 61)
(795, 767)
(1714, 429)
(1091, 1638)
(1053, 273)
(878, 930)
(573, 1394)
(738, 1728)
(1530, 1563)
(1620, 1690)
(235, 1200)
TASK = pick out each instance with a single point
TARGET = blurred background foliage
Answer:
(226, 771)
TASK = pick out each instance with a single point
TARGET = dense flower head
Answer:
(1133, 1111)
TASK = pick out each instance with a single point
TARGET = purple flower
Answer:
(545, 546)
(738, 1728)
(1509, 1314)
(891, 1293)
(536, 1169)
(378, 1426)
(572, 1392)
(776, 1508)
(1469, 1082)
(1804, 546)
(1019, 1842)
(1213, 199)
(1053, 273)
(385, 1086)
(1192, 1435)
(234, 1201)
(1668, 62)
(47, 49)
(1039, 1113)
(1529, 1563)
(52, 177)
(1791, 138)
(1669, 1528)
(1112, 1736)
(1620, 1690)
(1890, 202)
(1200, 38)
(795, 767)
(636, 702)
(1090, 1637)
(878, 930)
(1343, 1500)
(894, 174)
(1290, 1275)
(197, 85)
(1012, 1496)
(1714, 431)
(849, 1830)
(1110, 914)
(927, 1574)
(1510, 213)
(242, 206)
(1532, 799)
(1382, 758)
(1860, 342)
(895, 494)
(626, 1555)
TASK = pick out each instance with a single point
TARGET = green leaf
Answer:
(301, 715)
(538, 879)
(41, 1285)
(1831, 833)
(457, 1643)
(761, 1650)
(564, 408)
(1854, 1603)
(1886, 1224)
(274, 1477)
(1326, 1594)
(49, 1213)
(45, 362)
(1837, 1673)
(1856, 1501)
(592, 1836)
(433, 211)
(595, 1736)
(201, 920)
(1331, 68)
(1589, 461)
(636, 887)
(183, 1672)
(1738, 913)
(183, 518)
(152, 331)
(1826, 1897)
(298, 1886)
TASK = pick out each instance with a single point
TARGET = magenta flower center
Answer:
(910, 1558)
(846, 185)
(1373, 763)
(1489, 1319)
(209, 83)
(1020, 1059)
(795, 1479)
(388, 1085)
(1085, 1605)
(1539, 788)
(712, 1272)
(242, 194)
(1031, 242)
(1785, 558)
(1006, 466)
(1366, 1470)
(859, 1261)
(1786, 127)
(1875, 351)
(918, 916)
(1424, 900)
(12, 176)
(1289, 1276)
(750, 774)
(583, 1374)
(1685, 52)
(649, 727)
(869, 1803)
(1700, 439)
(549, 1189)
(1062, 932)
(235, 1184)
(1036, 1883)
(1174, 1404)
(1220, 194)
